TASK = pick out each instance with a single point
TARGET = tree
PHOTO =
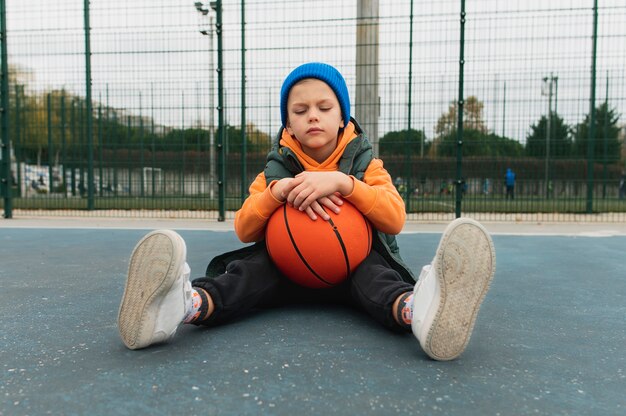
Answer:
(560, 140)
(36, 112)
(404, 142)
(258, 141)
(478, 143)
(255, 139)
(472, 118)
(34, 129)
(606, 134)
(504, 146)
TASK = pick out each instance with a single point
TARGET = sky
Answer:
(149, 57)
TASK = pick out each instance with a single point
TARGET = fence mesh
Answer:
(155, 150)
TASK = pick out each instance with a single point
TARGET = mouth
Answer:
(314, 130)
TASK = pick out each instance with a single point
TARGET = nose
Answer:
(313, 115)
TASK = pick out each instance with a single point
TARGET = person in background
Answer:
(509, 180)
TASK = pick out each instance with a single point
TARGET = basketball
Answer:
(318, 254)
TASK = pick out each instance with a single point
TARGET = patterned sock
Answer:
(405, 310)
(196, 304)
(199, 306)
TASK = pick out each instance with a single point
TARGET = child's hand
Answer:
(309, 191)
(278, 190)
(331, 202)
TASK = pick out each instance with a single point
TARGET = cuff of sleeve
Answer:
(362, 196)
(267, 203)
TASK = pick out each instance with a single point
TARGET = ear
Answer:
(288, 128)
(342, 124)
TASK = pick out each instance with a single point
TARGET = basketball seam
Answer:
(295, 246)
(343, 246)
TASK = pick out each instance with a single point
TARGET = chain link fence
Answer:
(159, 108)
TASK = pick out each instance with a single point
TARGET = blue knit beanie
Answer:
(323, 72)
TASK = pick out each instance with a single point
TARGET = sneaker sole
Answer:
(153, 269)
(465, 262)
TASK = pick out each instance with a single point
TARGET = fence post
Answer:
(50, 160)
(17, 141)
(605, 138)
(100, 141)
(5, 173)
(409, 154)
(220, 112)
(88, 110)
(63, 146)
(459, 130)
(244, 147)
(592, 113)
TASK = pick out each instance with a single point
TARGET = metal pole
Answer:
(142, 163)
(49, 114)
(459, 130)
(220, 112)
(183, 144)
(18, 137)
(605, 139)
(504, 111)
(409, 104)
(100, 141)
(208, 31)
(115, 143)
(592, 112)
(408, 153)
(366, 104)
(212, 155)
(152, 144)
(5, 174)
(74, 144)
(548, 131)
(90, 190)
(130, 171)
(556, 95)
(244, 174)
(63, 146)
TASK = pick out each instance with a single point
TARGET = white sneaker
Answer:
(158, 292)
(449, 292)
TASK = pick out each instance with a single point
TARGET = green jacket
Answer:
(282, 163)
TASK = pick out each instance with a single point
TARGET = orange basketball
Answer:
(318, 254)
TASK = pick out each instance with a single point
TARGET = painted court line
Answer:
(412, 227)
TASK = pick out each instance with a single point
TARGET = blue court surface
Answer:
(550, 338)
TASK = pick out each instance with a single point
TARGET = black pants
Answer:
(510, 192)
(255, 282)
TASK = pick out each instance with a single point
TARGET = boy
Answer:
(321, 158)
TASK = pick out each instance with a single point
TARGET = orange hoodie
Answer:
(376, 196)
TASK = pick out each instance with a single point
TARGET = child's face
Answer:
(314, 117)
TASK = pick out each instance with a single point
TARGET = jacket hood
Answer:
(345, 136)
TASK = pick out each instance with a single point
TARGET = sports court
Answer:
(549, 340)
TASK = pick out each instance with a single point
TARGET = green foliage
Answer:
(478, 143)
(51, 125)
(504, 146)
(560, 140)
(606, 134)
(178, 139)
(404, 142)
(59, 119)
(256, 141)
